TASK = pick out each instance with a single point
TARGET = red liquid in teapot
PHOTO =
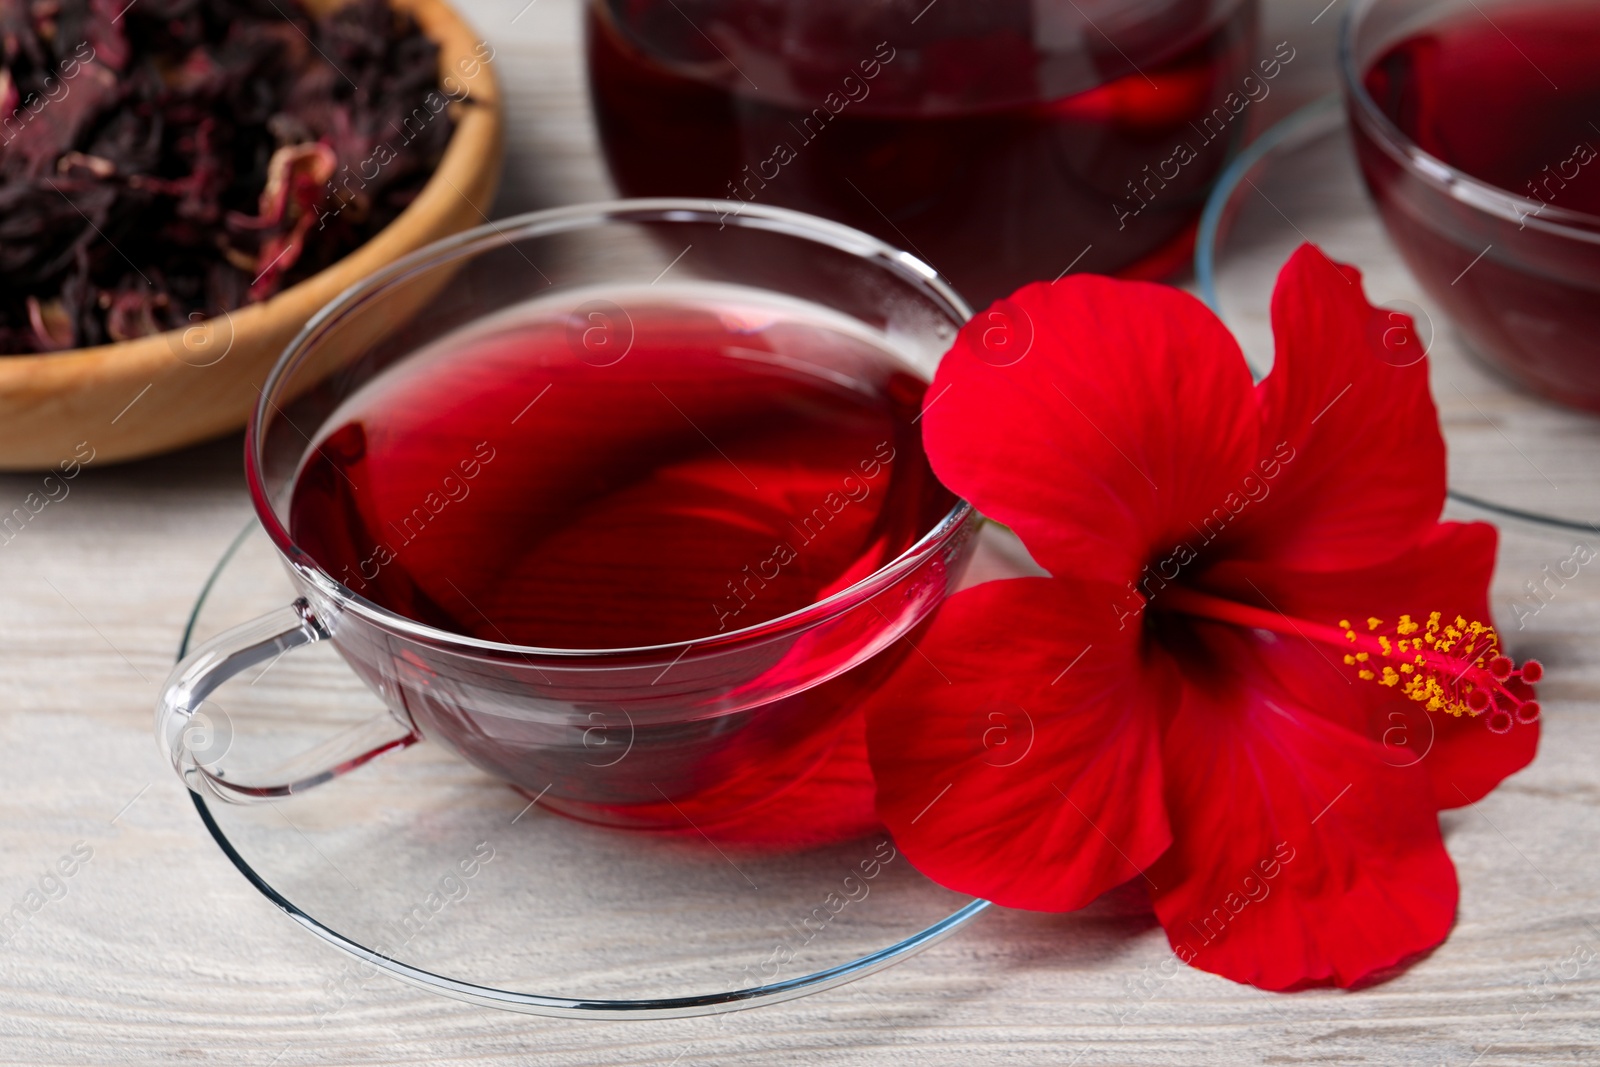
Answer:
(1003, 144)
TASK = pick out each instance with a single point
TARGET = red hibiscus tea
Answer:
(716, 461)
(580, 476)
(1003, 142)
(1509, 95)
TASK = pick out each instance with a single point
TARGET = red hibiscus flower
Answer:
(1260, 665)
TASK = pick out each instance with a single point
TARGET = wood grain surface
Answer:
(155, 950)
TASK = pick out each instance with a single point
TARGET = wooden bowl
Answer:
(140, 397)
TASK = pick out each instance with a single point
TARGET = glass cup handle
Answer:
(260, 641)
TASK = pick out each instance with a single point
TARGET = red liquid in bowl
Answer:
(1003, 144)
(740, 462)
(1510, 96)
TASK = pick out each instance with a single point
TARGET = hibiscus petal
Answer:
(1466, 759)
(1299, 856)
(1367, 473)
(1448, 571)
(1018, 756)
(1099, 419)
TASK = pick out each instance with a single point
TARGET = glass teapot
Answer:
(1004, 142)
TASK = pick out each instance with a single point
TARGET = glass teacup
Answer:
(1515, 265)
(649, 736)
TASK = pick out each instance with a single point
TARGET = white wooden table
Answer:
(155, 950)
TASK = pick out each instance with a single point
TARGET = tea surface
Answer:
(1511, 96)
(1513, 100)
(706, 460)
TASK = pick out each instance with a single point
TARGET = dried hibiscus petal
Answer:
(174, 159)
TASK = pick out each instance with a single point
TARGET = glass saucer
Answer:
(1510, 451)
(423, 868)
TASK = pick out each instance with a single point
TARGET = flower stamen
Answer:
(1453, 667)
(1456, 667)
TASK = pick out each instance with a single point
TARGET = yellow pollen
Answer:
(1441, 667)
